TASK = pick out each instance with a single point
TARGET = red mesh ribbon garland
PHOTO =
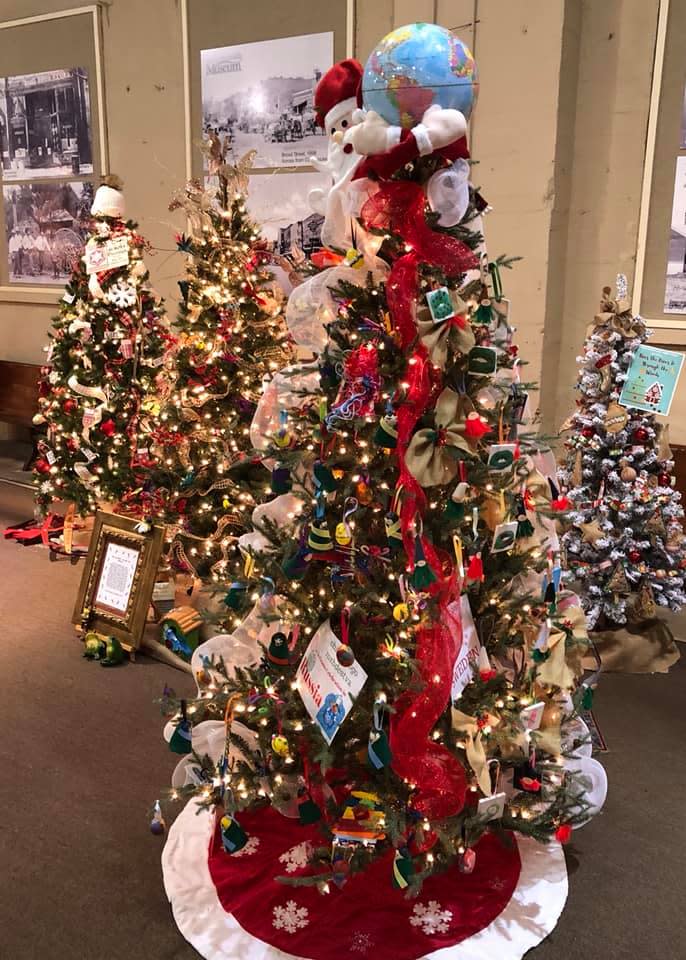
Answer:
(439, 776)
(399, 207)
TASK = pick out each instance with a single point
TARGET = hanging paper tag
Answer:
(440, 304)
(68, 297)
(504, 536)
(50, 457)
(501, 456)
(110, 255)
(493, 807)
(328, 689)
(468, 654)
(532, 716)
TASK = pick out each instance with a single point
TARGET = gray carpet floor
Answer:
(82, 760)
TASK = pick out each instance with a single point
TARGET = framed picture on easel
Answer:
(118, 581)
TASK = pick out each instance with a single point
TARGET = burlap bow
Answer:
(476, 755)
(616, 315)
(438, 336)
(431, 455)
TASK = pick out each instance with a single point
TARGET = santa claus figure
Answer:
(335, 102)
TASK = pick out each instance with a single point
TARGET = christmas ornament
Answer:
(386, 435)
(467, 861)
(281, 481)
(308, 811)
(616, 418)
(563, 833)
(618, 582)
(234, 837)
(157, 824)
(278, 651)
(655, 525)
(644, 605)
(639, 435)
(280, 745)
(634, 555)
(319, 537)
(345, 655)
(378, 749)
(403, 868)
(108, 427)
(70, 405)
(591, 532)
(422, 575)
(416, 67)
(180, 740)
(121, 294)
(627, 472)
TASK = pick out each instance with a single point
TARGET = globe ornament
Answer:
(416, 67)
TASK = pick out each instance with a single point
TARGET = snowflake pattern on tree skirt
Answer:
(431, 917)
(361, 943)
(290, 917)
(296, 857)
(250, 848)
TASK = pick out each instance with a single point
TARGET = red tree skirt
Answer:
(231, 906)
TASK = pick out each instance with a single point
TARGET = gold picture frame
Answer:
(117, 584)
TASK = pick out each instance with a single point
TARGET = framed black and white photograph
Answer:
(279, 205)
(260, 96)
(45, 227)
(45, 125)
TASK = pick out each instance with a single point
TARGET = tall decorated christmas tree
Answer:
(624, 542)
(107, 348)
(232, 338)
(399, 698)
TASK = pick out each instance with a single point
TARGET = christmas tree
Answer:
(624, 542)
(106, 349)
(231, 339)
(403, 676)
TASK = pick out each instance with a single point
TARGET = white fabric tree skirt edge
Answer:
(529, 917)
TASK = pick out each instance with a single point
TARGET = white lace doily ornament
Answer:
(528, 918)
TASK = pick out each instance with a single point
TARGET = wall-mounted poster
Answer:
(675, 281)
(260, 95)
(46, 226)
(45, 125)
(278, 203)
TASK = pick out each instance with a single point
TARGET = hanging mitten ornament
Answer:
(236, 597)
(324, 478)
(308, 811)
(378, 749)
(234, 837)
(525, 527)
(386, 435)
(403, 868)
(180, 740)
(422, 575)
(279, 651)
(281, 479)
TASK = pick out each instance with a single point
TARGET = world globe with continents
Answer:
(415, 67)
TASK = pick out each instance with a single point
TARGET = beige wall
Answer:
(558, 135)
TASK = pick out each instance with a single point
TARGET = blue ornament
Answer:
(416, 67)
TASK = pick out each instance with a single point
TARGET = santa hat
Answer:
(337, 92)
(109, 200)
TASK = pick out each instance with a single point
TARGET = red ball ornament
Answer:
(587, 432)
(634, 555)
(640, 435)
(180, 505)
(69, 405)
(42, 466)
(664, 479)
(564, 833)
(108, 427)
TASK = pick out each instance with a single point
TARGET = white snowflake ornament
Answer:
(431, 917)
(290, 917)
(122, 294)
